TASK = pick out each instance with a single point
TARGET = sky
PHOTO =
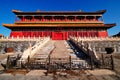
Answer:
(111, 16)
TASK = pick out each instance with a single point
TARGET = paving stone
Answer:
(19, 77)
(6, 77)
(32, 77)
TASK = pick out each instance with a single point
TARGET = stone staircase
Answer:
(32, 50)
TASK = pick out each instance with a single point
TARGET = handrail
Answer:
(96, 38)
(33, 49)
(59, 21)
(86, 49)
(21, 38)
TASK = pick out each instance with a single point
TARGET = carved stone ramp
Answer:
(33, 50)
(44, 52)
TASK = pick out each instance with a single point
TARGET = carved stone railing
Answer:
(100, 43)
(21, 38)
(97, 38)
(59, 21)
(33, 49)
(86, 49)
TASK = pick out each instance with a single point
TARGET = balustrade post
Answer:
(103, 63)
(49, 61)
(82, 44)
(2, 37)
(112, 62)
(70, 62)
(88, 48)
(8, 63)
(28, 59)
(39, 37)
(91, 62)
(23, 37)
(7, 38)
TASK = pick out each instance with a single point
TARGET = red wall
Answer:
(15, 34)
(102, 34)
(59, 35)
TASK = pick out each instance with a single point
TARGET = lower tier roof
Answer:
(59, 25)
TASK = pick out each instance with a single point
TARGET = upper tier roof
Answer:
(17, 12)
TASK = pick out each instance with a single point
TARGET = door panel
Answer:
(57, 36)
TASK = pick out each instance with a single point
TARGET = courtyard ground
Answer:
(61, 50)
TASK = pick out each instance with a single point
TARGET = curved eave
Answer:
(17, 12)
(59, 25)
(110, 25)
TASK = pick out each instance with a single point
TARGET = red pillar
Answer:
(95, 19)
(42, 18)
(52, 18)
(77, 34)
(66, 35)
(23, 19)
(52, 35)
(42, 33)
(75, 18)
(33, 18)
(65, 18)
(85, 18)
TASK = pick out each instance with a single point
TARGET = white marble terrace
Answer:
(97, 38)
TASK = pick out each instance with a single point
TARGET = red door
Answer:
(57, 36)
